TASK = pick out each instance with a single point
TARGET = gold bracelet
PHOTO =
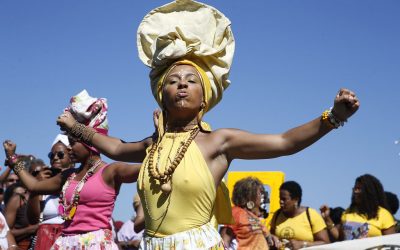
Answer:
(83, 132)
(330, 226)
(19, 167)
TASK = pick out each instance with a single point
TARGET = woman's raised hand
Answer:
(65, 121)
(9, 148)
(345, 105)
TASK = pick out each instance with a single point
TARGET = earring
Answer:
(202, 105)
(250, 205)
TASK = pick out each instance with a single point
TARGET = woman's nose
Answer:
(182, 83)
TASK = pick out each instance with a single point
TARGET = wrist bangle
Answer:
(83, 132)
(19, 167)
(330, 226)
(329, 118)
(13, 246)
(12, 159)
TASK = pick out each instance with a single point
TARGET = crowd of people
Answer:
(179, 169)
(30, 220)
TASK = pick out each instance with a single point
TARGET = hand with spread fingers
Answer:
(345, 105)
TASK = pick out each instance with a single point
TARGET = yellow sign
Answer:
(272, 179)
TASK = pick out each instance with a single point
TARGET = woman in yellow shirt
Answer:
(367, 215)
(297, 226)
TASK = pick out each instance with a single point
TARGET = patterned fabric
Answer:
(204, 237)
(96, 240)
(46, 235)
(90, 111)
(250, 232)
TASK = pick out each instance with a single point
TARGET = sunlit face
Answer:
(11, 179)
(59, 156)
(182, 89)
(260, 197)
(78, 152)
(286, 202)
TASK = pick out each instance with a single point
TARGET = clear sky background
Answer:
(291, 59)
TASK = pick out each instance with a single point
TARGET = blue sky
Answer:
(291, 58)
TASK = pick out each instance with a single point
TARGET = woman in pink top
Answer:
(87, 193)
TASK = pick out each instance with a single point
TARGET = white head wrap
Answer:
(186, 29)
(61, 138)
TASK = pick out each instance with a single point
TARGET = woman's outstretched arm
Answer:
(112, 147)
(49, 186)
(245, 145)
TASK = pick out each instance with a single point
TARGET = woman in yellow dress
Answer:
(189, 47)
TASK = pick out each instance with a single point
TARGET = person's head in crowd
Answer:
(393, 202)
(59, 153)
(249, 193)
(336, 214)
(15, 189)
(368, 194)
(28, 160)
(11, 179)
(36, 166)
(290, 194)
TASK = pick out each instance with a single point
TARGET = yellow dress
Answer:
(189, 206)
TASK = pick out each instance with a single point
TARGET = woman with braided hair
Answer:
(189, 47)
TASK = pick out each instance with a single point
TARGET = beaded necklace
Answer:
(165, 178)
(63, 206)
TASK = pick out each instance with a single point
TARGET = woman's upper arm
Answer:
(119, 150)
(11, 210)
(390, 230)
(239, 144)
(322, 236)
(48, 186)
(126, 173)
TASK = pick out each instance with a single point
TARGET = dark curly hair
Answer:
(294, 190)
(372, 196)
(393, 202)
(246, 190)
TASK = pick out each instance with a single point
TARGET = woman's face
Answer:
(182, 89)
(287, 203)
(357, 189)
(21, 191)
(78, 152)
(59, 156)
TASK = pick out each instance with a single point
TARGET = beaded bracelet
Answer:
(12, 159)
(328, 117)
(19, 167)
(82, 132)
